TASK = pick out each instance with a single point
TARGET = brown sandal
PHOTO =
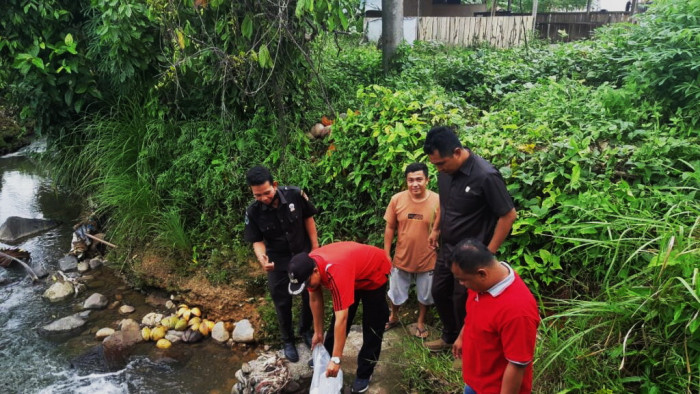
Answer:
(422, 334)
(391, 324)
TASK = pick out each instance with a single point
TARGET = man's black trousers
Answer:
(449, 296)
(278, 282)
(375, 314)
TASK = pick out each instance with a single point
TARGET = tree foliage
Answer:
(75, 58)
(597, 141)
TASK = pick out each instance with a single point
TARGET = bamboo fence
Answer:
(499, 31)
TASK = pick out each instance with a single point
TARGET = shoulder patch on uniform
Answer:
(304, 195)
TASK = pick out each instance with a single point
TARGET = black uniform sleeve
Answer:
(307, 208)
(497, 196)
(252, 232)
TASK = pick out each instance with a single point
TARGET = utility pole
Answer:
(392, 30)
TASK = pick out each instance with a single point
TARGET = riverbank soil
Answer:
(228, 302)
(232, 303)
(205, 367)
(12, 136)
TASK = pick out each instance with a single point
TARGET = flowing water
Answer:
(31, 363)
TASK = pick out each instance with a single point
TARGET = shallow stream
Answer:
(31, 363)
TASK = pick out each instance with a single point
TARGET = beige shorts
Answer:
(400, 282)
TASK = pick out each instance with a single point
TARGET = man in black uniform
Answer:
(280, 224)
(474, 203)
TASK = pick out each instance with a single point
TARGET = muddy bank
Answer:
(228, 302)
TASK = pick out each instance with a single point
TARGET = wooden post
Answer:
(418, 38)
(493, 8)
(634, 7)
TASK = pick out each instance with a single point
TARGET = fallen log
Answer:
(25, 265)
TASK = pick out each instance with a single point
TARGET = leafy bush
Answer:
(484, 76)
(570, 155)
(369, 150)
(45, 75)
(344, 66)
(664, 57)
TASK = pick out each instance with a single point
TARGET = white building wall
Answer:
(610, 5)
(373, 29)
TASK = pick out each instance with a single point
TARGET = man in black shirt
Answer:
(280, 224)
(474, 203)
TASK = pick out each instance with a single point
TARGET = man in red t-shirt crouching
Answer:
(497, 341)
(352, 272)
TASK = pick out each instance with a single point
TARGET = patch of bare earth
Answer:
(219, 302)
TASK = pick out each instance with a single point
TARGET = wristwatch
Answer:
(335, 360)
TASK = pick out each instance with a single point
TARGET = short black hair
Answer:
(442, 139)
(413, 167)
(470, 255)
(258, 175)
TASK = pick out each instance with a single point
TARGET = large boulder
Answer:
(93, 360)
(243, 332)
(68, 263)
(219, 332)
(59, 291)
(96, 301)
(118, 346)
(83, 266)
(66, 325)
(95, 263)
(15, 228)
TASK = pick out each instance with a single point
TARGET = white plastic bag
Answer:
(321, 384)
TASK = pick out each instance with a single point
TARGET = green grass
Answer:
(425, 372)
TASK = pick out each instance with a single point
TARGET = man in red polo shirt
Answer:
(353, 273)
(497, 340)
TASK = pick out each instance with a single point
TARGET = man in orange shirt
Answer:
(411, 215)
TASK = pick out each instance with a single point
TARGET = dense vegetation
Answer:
(157, 116)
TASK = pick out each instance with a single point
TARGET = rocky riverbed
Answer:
(82, 325)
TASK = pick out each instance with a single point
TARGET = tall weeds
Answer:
(639, 330)
(104, 158)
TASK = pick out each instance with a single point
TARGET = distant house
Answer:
(412, 11)
(452, 23)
